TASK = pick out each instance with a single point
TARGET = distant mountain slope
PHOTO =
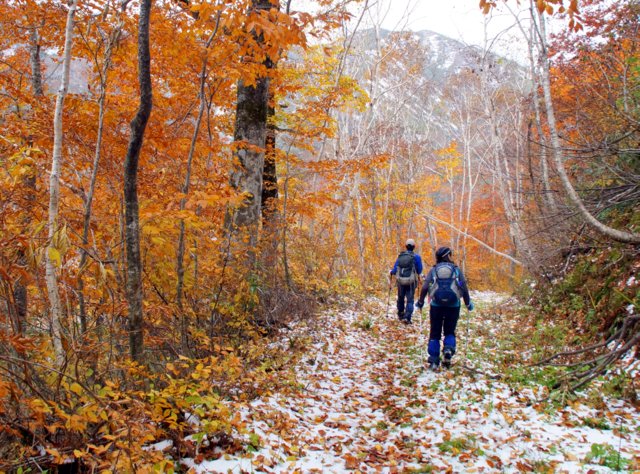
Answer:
(446, 56)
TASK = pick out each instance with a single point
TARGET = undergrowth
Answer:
(106, 413)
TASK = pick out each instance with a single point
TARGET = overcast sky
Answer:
(459, 19)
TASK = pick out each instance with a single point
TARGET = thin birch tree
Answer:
(53, 258)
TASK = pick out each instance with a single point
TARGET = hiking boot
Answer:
(407, 321)
(447, 355)
(434, 366)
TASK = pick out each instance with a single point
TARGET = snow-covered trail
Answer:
(365, 403)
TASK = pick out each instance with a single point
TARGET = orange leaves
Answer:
(487, 5)
(547, 7)
(351, 461)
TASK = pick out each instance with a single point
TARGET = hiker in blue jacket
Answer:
(408, 268)
(446, 286)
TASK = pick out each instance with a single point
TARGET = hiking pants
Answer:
(406, 292)
(443, 319)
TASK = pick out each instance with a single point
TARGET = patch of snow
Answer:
(368, 404)
(159, 446)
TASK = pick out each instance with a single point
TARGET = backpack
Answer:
(445, 289)
(406, 269)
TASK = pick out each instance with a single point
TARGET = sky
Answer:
(458, 19)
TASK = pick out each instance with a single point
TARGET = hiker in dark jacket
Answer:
(408, 268)
(445, 285)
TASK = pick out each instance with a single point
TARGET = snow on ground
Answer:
(366, 403)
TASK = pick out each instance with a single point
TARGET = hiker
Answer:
(407, 269)
(445, 285)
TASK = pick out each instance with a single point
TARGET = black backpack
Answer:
(445, 288)
(406, 269)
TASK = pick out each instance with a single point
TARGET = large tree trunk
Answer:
(53, 256)
(250, 129)
(132, 227)
(250, 136)
(558, 158)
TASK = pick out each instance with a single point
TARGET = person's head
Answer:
(411, 244)
(443, 254)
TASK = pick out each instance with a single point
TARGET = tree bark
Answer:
(53, 255)
(558, 158)
(20, 294)
(269, 175)
(34, 59)
(132, 222)
(250, 137)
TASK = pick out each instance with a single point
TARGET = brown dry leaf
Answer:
(350, 461)
(523, 466)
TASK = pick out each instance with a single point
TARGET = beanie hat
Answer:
(442, 252)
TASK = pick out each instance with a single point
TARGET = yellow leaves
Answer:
(59, 246)
(450, 160)
(54, 256)
(76, 388)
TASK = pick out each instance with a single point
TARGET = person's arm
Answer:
(418, 263)
(394, 270)
(463, 286)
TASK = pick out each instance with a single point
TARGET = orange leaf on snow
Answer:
(350, 461)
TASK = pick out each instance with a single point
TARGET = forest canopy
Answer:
(179, 180)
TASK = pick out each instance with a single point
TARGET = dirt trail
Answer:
(366, 403)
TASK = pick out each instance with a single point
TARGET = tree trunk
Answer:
(34, 59)
(53, 256)
(132, 227)
(250, 137)
(429, 217)
(250, 129)
(558, 158)
(20, 294)
(270, 175)
(113, 38)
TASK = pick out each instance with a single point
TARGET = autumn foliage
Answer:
(356, 175)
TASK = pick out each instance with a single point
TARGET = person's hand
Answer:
(470, 306)
(419, 305)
